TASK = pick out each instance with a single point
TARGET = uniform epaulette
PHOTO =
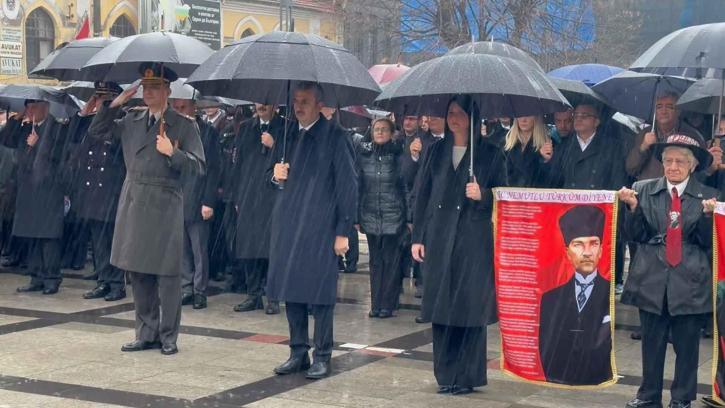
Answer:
(139, 109)
(62, 121)
(191, 118)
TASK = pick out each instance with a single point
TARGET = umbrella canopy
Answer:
(385, 73)
(83, 90)
(703, 96)
(694, 52)
(263, 68)
(576, 92)
(634, 93)
(65, 63)
(590, 74)
(495, 48)
(500, 86)
(13, 97)
(120, 60)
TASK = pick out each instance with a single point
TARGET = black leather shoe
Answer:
(638, 403)
(385, 313)
(249, 305)
(374, 313)
(319, 370)
(51, 290)
(30, 288)
(293, 365)
(99, 292)
(199, 302)
(187, 299)
(636, 335)
(680, 404)
(459, 390)
(444, 389)
(10, 262)
(421, 320)
(115, 295)
(140, 345)
(272, 307)
(169, 349)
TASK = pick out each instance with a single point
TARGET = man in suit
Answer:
(575, 333)
(310, 221)
(159, 147)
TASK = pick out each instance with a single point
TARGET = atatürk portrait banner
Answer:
(554, 258)
(718, 383)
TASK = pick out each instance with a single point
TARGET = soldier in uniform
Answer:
(98, 171)
(200, 194)
(41, 192)
(159, 146)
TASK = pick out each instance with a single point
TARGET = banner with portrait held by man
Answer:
(718, 384)
(554, 259)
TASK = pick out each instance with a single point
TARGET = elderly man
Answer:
(310, 221)
(670, 280)
(159, 147)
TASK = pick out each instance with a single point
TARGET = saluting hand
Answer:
(125, 96)
(267, 140)
(629, 197)
(341, 245)
(473, 190)
(90, 106)
(163, 145)
(547, 151)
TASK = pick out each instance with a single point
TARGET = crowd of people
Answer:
(277, 203)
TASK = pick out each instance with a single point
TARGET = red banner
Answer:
(554, 259)
(718, 389)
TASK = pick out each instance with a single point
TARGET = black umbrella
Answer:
(13, 97)
(703, 96)
(120, 60)
(577, 92)
(635, 93)
(65, 63)
(263, 68)
(495, 48)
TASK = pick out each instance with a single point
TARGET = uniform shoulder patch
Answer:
(139, 109)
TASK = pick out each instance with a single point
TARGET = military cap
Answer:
(582, 221)
(154, 71)
(105, 87)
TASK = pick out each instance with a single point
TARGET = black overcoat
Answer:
(525, 168)
(576, 347)
(202, 189)
(317, 204)
(457, 234)
(149, 232)
(253, 198)
(688, 286)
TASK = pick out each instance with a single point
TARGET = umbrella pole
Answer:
(280, 183)
(719, 106)
(470, 147)
(654, 107)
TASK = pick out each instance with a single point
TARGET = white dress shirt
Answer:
(583, 144)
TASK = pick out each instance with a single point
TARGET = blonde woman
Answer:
(527, 147)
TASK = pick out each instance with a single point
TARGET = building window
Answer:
(122, 27)
(39, 37)
(247, 33)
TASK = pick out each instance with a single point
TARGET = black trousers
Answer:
(157, 302)
(75, 241)
(101, 240)
(222, 229)
(44, 262)
(385, 253)
(459, 355)
(686, 342)
(297, 317)
(255, 271)
(195, 261)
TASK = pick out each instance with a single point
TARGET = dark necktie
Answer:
(581, 298)
(673, 243)
(152, 121)
(263, 127)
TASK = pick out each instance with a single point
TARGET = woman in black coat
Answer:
(453, 238)
(382, 213)
(527, 148)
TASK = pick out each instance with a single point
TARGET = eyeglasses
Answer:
(582, 115)
(677, 162)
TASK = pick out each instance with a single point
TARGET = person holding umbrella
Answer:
(159, 146)
(310, 222)
(40, 141)
(453, 239)
(670, 279)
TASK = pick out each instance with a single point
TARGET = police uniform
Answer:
(148, 239)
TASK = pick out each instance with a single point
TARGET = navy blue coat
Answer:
(318, 203)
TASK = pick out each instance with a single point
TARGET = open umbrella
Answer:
(263, 68)
(385, 73)
(65, 63)
(635, 93)
(703, 96)
(576, 92)
(120, 60)
(494, 48)
(499, 86)
(13, 97)
(590, 74)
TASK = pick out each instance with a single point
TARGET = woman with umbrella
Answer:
(453, 239)
(527, 146)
